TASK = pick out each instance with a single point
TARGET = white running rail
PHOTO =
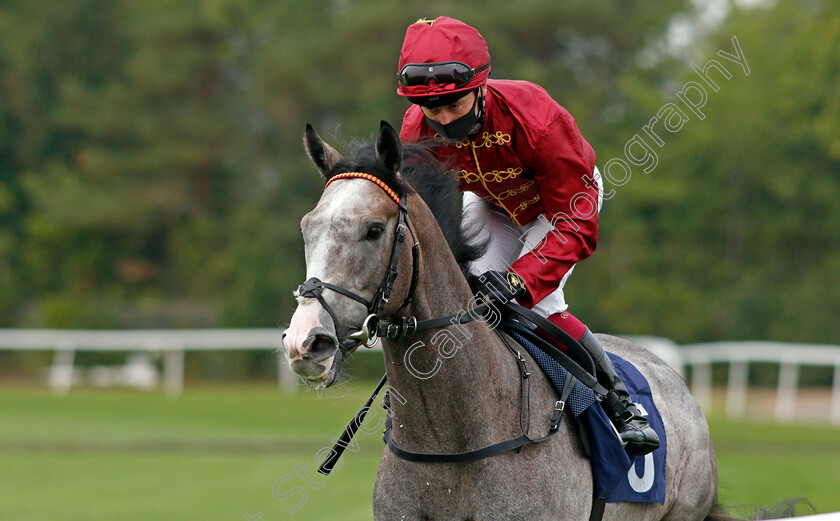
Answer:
(790, 357)
(172, 343)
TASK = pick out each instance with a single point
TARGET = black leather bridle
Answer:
(374, 326)
(370, 329)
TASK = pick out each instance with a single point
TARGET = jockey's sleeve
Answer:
(562, 162)
(410, 128)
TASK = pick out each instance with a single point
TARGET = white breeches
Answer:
(508, 242)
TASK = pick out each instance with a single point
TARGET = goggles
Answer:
(459, 73)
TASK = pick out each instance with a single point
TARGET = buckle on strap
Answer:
(522, 367)
(392, 331)
(557, 415)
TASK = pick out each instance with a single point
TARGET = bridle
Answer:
(370, 330)
(374, 327)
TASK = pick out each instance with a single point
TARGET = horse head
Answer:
(348, 237)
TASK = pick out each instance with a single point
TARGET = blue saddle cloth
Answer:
(617, 476)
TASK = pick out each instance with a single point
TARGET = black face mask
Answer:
(468, 124)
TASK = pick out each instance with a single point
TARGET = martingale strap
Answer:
(502, 446)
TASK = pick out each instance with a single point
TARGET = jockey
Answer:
(528, 176)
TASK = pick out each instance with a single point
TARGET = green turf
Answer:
(213, 453)
(72, 486)
(222, 452)
(762, 463)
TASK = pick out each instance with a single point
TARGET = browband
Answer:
(372, 178)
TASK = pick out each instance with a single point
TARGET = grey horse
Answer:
(459, 396)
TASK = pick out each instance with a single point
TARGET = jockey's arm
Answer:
(563, 163)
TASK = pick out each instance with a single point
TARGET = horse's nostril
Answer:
(321, 344)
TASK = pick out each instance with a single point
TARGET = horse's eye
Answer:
(375, 231)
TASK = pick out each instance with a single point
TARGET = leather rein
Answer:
(375, 327)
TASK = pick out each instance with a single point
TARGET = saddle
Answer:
(615, 473)
(617, 476)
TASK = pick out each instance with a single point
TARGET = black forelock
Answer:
(423, 173)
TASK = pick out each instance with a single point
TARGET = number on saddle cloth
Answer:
(617, 476)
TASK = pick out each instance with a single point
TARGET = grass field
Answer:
(234, 452)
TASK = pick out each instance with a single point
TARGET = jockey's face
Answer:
(449, 113)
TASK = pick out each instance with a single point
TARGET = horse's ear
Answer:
(324, 156)
(388, 147)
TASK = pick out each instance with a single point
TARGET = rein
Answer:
(375, 327)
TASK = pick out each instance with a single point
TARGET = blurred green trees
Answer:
(736, 233)
(152, 173)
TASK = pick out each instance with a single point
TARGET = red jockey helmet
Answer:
(441, 57)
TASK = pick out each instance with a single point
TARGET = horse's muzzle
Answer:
(319, 344)
(315, 357)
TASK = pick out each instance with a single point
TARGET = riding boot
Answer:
(633, 428)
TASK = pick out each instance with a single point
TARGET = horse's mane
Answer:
(422, 173)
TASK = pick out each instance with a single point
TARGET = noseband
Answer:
(314, 287)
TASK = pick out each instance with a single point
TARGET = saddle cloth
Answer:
(617, 475)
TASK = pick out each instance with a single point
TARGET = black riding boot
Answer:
(633, 428)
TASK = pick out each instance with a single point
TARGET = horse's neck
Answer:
(448, 383)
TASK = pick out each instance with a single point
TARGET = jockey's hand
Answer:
(499, 285)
